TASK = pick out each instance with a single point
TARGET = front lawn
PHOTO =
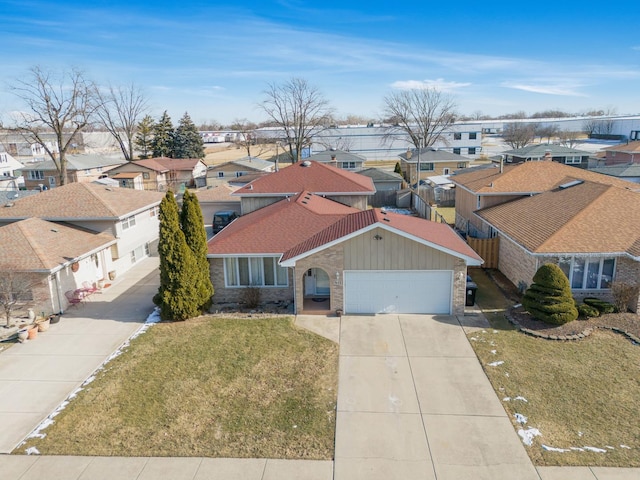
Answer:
(212, 387)
(580, 396)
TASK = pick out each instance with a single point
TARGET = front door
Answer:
(316, 282)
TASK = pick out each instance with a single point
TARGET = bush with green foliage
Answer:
(602, 306)
(587, 311)
(398, 169)
(549, 298)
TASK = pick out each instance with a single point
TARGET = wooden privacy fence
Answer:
(487, 248)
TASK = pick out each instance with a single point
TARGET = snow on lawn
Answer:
(401, 211)
(496, 364)
(152, 319)
(520, 418)
(528, 435)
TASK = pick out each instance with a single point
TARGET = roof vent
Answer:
(571, 184)
(383, 211)
(250, 187)
(10, 204)
(306, 163)
(386, 219)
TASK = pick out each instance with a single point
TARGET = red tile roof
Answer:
(584, 218)
(279, 226)
(37, 245)
(82, 201)
(309, 176)
(438, 234)
(530, 177)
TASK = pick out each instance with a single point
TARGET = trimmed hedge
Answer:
(549, 298)
(587, 311)
(602, 306)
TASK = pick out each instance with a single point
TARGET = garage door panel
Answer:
(383, 291)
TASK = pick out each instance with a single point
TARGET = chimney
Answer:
(333, 161)
(547, 155)
(409, 154)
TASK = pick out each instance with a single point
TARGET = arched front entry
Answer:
(317, 290)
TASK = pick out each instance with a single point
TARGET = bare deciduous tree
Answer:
(120, 110)
(547, 131)
(63, 104)
(16, 290)
(247, 138)
(422, 114)
(569, 139)
(300, 110)
(518, 135)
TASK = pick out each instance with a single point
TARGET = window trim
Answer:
(571, 261)
(250, 275)
(573, 160)
(128, 222)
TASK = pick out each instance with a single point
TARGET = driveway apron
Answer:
(414, 403)
(36, 376)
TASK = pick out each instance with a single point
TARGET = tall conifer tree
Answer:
(192, 225)
(188, 142)
(144, 136)
(163, 137)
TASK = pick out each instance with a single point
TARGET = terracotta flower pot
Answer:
(43, 325)
(32, 333)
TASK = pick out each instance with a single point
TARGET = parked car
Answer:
(222, 219)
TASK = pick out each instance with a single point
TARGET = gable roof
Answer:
(434, 234)
(380, 175)
(315, 177)
(220, 193)
(82, 201)
(431, 155)
(529, 177)
(583, 218)
(164, 164)
(339, 155)
(247, 163)
(38, 245)
(77, 162)
(629, 147)
(277, 227)
(620, 171)
(540, 149)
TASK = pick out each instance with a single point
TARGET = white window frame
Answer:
(473, 135)
(36, 175)
(128, 222)
(255, 273)
(573, 159)
(472, 151)
(572, 262)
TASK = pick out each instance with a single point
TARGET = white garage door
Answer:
(383, 291)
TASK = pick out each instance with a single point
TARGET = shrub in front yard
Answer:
(549, 298)
(251, 297)
(623, 293)
(602, 306)
(587, 311)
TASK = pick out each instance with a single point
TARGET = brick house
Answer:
(308, 248)
(547, 151)
(483, 187)
(432, 162)
(623, 154)
(594, 236)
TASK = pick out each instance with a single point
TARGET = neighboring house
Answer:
(483, 187)
(625, 153)
(215, 199)
(237, 168)
(26, 151)
(10, 196)
(80, 168)
(340, 159)
(344, 187)
(361, 261)
(590, 229)
(160, 174)
(9, 166)
(55, 257)
(130, 216)
(546, 151)
(432, 162)
(630, 173)
(383, 180)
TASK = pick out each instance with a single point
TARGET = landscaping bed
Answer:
(206, 387)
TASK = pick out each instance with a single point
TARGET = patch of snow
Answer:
(576, 449)
(625, 447)
(522, 399)
(495, 331)
(554, 449)
(32, 451)
(495, 364)
(580, 434)
(528, 435)
(475, 339)
(493, 352)
(609, 447)
(521, 418)
(595, 449)
(401, 211)
(506, 374)
(506, 399)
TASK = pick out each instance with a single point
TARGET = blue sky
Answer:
(214, 60)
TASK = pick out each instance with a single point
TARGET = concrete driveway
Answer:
(414, 403)
(36, 376)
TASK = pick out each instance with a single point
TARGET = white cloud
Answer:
(438, 84)
(561, 90)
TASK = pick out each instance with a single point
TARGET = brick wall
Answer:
(628, 271)
(459, 287)
(515, 263)
(223, 295)
(331, 260)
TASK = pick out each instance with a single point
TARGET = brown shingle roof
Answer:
(530, 177)
(279, 226)
(630, 147)
(37, 245)
(82, 201)
(585, 218)
(437, 234)
(316, 177)
(221, 193)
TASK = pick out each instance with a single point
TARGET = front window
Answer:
(573, 159)
(254, 271)
(426, 167)
(588, 273)
(472, 150)
(462, 165)
(128, 222)
(347, 165)
(36, 175)
(456, 151)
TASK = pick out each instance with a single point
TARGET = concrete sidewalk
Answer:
(36, 376)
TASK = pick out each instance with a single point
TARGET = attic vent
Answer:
(306, 163)
(571, 184)
(304, 202)
(386, 219)
(249, 187)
